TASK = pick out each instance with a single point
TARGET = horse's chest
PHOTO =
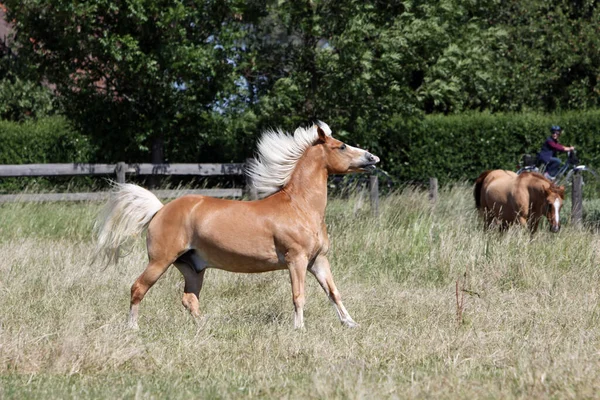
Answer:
(320, 243)
(311, 239)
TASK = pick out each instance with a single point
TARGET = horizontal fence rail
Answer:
(101, 196)
(107, 169)
(121, 169)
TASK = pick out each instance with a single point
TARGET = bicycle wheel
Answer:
(590, 192)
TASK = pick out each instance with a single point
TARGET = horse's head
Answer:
(342, 158)
(554, 201)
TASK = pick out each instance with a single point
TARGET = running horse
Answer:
(505, 198)
(284, 229)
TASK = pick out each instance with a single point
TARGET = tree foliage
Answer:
(22, 96)
(205, 77)
(130, 73)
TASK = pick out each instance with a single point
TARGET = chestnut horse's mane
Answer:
(277, 154)
(553, 187)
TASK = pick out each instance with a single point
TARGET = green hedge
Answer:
(460, 147)
(46, 140)
(451, 148)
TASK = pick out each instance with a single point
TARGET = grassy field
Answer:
(528, 325)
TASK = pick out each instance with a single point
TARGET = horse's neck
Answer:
(308, 183)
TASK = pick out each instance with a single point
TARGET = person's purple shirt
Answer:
(550, 148)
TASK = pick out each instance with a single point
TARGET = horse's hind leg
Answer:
(193, 285)
(142, 284)
(322, 271)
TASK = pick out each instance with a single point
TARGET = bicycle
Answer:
(590, 178)
(529, 163)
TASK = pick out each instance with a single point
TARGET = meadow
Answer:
(445, 311)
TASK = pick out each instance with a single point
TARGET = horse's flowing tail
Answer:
(127, 214)
(477, 189)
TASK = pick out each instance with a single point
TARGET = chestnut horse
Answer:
(284, 229)
(504, 197)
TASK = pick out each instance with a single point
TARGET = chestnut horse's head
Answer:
(554, 202)
(342, 158)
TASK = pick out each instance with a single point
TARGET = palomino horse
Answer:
(285, 229)
(505, 197)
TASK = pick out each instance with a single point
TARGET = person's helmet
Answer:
(555, 128)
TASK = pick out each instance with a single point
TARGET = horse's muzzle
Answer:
(371, 160)
(554, 228)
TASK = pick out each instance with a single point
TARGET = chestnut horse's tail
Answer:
(127, 213)
(477, 189)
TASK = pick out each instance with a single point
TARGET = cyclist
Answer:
(548, 154)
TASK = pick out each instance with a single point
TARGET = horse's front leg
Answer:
(533, 225)
(322, 271)
(297, 266)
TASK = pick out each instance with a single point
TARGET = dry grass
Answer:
(529, 323)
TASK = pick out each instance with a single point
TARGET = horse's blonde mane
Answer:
(277, 154)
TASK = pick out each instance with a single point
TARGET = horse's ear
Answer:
(322, 135)
(561, 191)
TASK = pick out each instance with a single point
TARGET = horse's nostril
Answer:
(371, 157)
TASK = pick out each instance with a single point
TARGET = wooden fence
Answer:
(120, 171)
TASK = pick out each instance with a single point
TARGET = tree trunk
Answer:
(157, 157)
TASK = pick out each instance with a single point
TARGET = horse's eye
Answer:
(343, 146)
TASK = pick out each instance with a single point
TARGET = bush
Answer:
(47, 140)
(22, 100)
(451, 148)
(459, 147)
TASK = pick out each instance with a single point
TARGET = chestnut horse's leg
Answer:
(488, 219)
(297, 266)
(191, 290)
(142, 284)
(533, 226)
(322, 271)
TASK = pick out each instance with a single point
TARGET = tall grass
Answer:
(529, 325)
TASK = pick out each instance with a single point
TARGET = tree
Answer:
(20, 97)
(132, 74)
(198, 75)
(552, 61)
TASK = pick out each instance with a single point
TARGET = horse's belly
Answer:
(242, 263)
(250, 268)
(245, 257)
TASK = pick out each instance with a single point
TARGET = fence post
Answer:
(374, 189)
(120, 170)
(577, 199)
(433, 190)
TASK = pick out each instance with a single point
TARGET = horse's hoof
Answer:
(133, 326)
(350, 324)
(200, 321)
